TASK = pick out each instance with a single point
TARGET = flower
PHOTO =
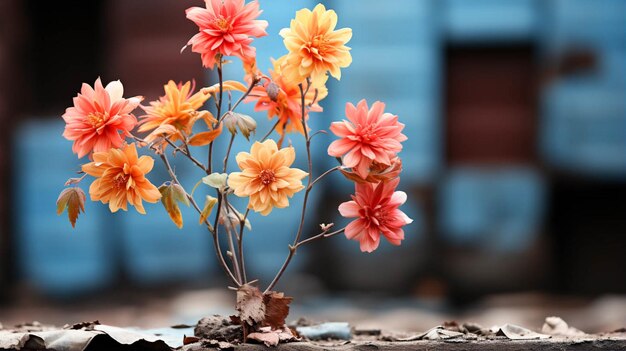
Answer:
(121, 178)
(379, 172)
(266, 177)
(375, 207)
(99, 118)
(315, 47)
(281, 98)
(178, 108)
(245, 123)
(225, 29)
(367, 136)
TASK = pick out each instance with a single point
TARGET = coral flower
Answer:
(266, 177)
(375, 207)
(315, 47)
(226, 28)
(281, 98)
(367, 136)
(100, 118)
(178, 108)
(121, 178)
(379, 172)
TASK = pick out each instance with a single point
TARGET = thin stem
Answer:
(324, 175)
(186, 152)
(213, 232)
(233, 253)
(230, 146)
(219, 111)
(254, 82)
(270, 131)
(242, 263)
(322, 235)
(293, 248)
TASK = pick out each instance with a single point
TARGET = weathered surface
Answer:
(614, 343)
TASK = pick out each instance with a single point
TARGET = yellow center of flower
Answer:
(267, 176)
(96, 120)
(223, 24)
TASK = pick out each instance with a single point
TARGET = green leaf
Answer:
(216, 180)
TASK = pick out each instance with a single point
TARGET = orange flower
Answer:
(315, 47)
(121, 178)
(280, 97)
(266, 177)
(100, 118)
(178, 107)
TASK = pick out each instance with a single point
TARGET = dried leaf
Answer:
(169, 195)
(215, 180)
(208, 208)
(250, 304)
(74, 200)
(205, 138)
(271, 337)
(179, 194)
(276, 309)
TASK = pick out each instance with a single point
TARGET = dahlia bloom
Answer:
(178, 108)
(121, 179)
(281, 98)
(379, 172)
(226, 28)
(315, 47)
(266, 177)
(100, 118)
(368, 136)
(375, 207)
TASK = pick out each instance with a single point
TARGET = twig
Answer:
(324, 175)
(321, 235)
(292, 248)
(213, 232)
(271, 130)
(242, 262)
(186, 153)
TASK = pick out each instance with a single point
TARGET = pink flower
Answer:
(375, 207)
(367, 136)
(225, 29)
(100, 118)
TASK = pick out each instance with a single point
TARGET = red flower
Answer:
(368, 136)
(226, 28)
(375, 207)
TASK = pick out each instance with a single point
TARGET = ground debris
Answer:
(218, 328)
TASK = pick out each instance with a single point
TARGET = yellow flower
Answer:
(121, 178)
(178, 107)
(315, 47)
(266, 177)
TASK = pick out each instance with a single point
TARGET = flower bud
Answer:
(272, 90)
(244, 123)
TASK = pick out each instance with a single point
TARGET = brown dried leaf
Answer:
(168, 199)
(205, 138)
(208, 208)
(250, 304)
(276, 309)
(271, 337)
(74, 200)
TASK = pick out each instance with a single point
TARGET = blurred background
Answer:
(515, 167)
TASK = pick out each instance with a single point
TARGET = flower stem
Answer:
(292, 248)
(324, 175)
(219, 111)
(212, 230)
(270, 131)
